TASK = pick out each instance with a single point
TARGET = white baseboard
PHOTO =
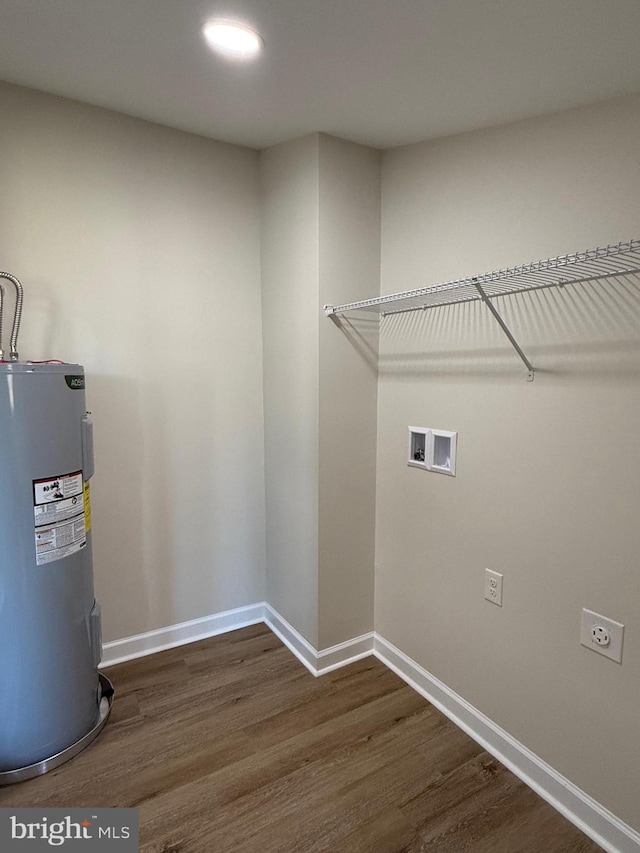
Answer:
(582, 810)
(344, 653)
(292, 639)
(317, 662)
(129, 648)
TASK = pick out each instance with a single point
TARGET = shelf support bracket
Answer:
(514, 343)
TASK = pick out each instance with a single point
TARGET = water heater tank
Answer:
(51, 700)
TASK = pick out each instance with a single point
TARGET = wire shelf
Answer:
(605, 262)
(581, 267)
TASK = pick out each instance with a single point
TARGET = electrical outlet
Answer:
(601, 635)
(493, 587)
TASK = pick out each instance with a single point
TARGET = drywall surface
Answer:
(138, 247)
(349, 241)
(289, 176)
(546, 490)
(320, 241)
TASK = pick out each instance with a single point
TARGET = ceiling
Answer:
(379, 72)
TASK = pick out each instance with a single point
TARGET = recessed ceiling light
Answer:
(232, 39)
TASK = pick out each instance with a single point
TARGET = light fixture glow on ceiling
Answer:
(232, 39)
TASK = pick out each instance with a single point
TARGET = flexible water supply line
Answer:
(15, 331)
(1, 315)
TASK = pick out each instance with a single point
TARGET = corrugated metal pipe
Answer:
(1, 315)
(17, 316)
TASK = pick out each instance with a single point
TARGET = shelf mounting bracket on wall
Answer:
(577, 268)
(506, 330)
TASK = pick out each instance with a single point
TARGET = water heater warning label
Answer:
(59, 516)
(57, 488)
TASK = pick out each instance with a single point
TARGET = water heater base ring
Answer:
(21, 774)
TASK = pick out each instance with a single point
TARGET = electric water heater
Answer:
(53, 701)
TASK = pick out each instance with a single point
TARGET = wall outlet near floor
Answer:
(601, 635)
(493, 587)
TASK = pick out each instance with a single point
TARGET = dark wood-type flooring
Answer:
(229, 744)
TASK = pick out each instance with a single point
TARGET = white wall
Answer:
(320, 241)
(289, 175)
(138, 247)
(349, 270)
(547, 481)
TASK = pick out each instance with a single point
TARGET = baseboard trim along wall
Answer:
(318, 662)
(612, 834)
(582, 810)
(151, 642)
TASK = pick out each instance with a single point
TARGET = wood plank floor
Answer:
(230, 746)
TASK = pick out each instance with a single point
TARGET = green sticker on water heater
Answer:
(76, 383)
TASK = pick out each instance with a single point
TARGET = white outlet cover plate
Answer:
(493, 587)
(616, 632)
